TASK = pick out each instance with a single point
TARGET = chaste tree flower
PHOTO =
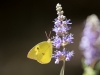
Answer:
(61, 38)
(90, 44)
(62, 55)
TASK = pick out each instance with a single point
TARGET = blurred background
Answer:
(22, 25)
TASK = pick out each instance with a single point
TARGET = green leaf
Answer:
(83, 64)
(89, 71)
(97, 66)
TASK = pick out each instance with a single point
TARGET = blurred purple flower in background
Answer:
(62, 38)
(90, 42)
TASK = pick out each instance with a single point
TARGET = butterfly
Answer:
(42, 52)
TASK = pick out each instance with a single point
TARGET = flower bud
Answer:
(58, 5)
(60, 12)
(59, 8)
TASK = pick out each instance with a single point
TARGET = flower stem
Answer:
(63, 67)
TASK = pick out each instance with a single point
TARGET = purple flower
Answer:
(68, 38)
(62, 55)
(89, 42)
(61, 26)
(62, 38)
(68, 21)
(57, 23)
(57, 41)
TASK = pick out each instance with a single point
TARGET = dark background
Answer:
(22, 25)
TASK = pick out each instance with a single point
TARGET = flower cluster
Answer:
(62, 55)
(62, 37)
(90, 42)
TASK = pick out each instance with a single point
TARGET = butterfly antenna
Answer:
(46, 34)
(49, 34)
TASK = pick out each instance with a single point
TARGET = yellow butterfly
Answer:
(42, 52)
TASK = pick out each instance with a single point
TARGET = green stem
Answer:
(63, 67)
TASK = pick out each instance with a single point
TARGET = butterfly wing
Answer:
(42, 52)
(45, 53)
(32, 54)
